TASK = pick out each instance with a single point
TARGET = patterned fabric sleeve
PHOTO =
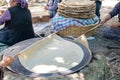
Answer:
(5, 17)
(115, 10)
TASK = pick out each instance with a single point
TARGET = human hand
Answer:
(102, 22)
(1, 12)
(46, 8)
(115, 25)
(107, 17)
(6, 61)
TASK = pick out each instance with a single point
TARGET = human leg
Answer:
(111, 33)
(98, 6)
(52, 13)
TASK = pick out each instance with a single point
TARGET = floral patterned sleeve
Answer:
(5, 17)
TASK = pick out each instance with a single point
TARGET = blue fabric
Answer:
(116, 11)
(60, 22)
(111, 33)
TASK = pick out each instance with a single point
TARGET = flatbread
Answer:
(77, 9)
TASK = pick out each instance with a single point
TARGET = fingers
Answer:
(46, 8)
(1, 12)
(6, 61)
(101, 23)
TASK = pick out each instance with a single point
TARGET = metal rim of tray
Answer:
(17, 67)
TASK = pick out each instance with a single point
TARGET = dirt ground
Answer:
(102, 45)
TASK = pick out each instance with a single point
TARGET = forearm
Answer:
(116, 10)
(107, 18)
(5, 17)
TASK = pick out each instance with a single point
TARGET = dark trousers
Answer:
(98, 6)
(52, 13)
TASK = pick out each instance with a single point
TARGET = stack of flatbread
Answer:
(77, 9)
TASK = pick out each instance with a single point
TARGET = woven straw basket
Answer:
(77, 31)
